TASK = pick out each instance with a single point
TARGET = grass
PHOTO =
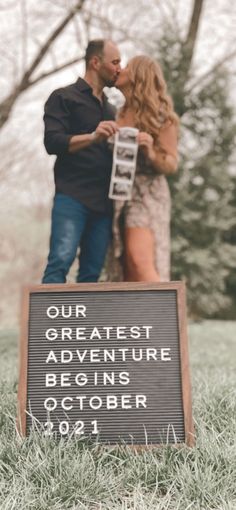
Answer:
(40, 474)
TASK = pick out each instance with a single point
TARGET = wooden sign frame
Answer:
(179, 287)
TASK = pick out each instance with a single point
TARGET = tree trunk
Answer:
(191, 39)
(188, 48)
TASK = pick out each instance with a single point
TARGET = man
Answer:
(78, 121)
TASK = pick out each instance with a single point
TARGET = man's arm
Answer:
(57, 137)
(104, 130)
(57, 124)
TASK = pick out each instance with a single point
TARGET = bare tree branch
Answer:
(56, 70)
(111, 27)
(7, 104)
(51, 39)
(208, 73)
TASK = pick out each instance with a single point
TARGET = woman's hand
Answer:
(146, 142)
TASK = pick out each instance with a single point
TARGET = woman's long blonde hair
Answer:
(148, 97)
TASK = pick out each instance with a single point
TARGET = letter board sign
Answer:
(106, 361)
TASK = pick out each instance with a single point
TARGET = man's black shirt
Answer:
(84, 175)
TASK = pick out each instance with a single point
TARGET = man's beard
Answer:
(111, 83)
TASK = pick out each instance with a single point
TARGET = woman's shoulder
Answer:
(168, 138)
(169, 125)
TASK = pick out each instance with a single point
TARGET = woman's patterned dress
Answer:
(149, 207)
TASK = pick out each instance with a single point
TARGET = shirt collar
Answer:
(84, 86)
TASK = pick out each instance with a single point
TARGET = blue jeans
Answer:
(73, 226)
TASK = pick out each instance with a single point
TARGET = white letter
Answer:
(111, 402)
(64, 313)
(63, 405)
(165, 354)
(107, 329)
(141, 400)
(81, 379)
(47, 405)
(51, 334)
(66, 333)
(51, 357)
(80, 310)
(124, 378)
(94, 405)
(81, 401)
(51, 380)
(135, 332)
(52, 312)
(94, 353)
(108, 379)
(139, 357)
(125, 401)
(63, 356)
(109, 355)
(81, 357)
(79, 332)
(120, 333)
(151, 353)
(65, 379)
(123, 351)
(95, 333)
(147, 330)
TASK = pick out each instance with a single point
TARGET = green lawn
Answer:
(40, 474)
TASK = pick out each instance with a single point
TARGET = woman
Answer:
(146, 218)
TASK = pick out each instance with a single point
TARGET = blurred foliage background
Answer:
(43, 48)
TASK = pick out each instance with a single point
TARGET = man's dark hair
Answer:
(95, 47)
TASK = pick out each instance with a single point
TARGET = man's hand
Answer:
(105, 129)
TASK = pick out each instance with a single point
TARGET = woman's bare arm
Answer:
(168, 161)
(165, 162)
